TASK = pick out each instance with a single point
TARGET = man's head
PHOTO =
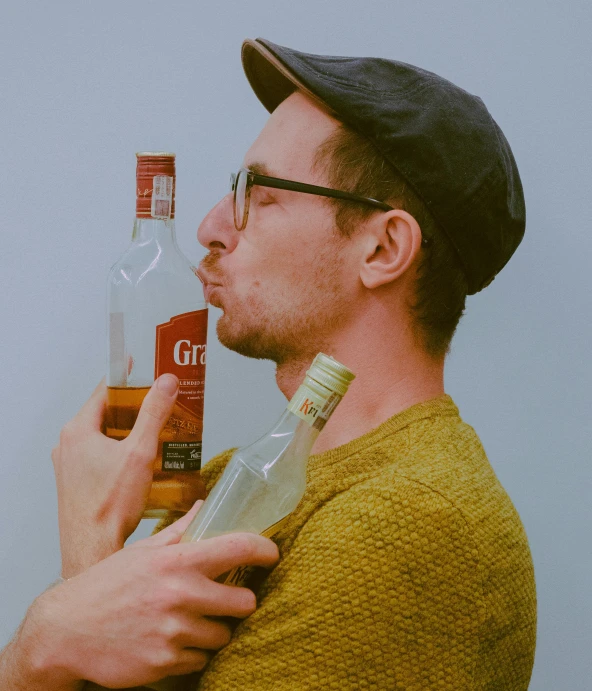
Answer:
(308, 270)
(293, 280)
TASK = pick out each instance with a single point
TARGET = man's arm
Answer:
(145, 613)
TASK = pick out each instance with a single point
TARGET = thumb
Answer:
(154, 414)
(173, 533)
(92, 412)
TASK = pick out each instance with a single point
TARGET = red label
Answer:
(181, 350)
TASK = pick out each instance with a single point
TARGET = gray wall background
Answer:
(85, 85)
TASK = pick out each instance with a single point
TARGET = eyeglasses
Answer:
(241, 184)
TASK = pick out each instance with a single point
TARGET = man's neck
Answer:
(388, 381)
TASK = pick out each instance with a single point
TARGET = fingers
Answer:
(154, 413)
(93, 411)
(204, 633)
(172, 533)
(213, 599)
(189, 660)
(217, 555)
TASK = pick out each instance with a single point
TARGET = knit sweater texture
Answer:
(405, 566)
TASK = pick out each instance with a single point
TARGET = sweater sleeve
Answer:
(379, 590)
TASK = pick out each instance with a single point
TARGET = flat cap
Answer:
(440, 138)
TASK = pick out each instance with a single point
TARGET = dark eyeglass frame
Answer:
(293, 186)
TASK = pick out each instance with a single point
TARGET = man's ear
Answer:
(392, 242)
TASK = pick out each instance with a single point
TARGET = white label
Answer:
(162, 197)
(306, 404)
(312, 407)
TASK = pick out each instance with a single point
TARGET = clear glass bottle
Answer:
(157, 323)
(265, 481)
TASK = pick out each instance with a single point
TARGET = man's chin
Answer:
(230, 339)
(248, 344)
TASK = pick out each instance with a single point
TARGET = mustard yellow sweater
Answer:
(405, 566)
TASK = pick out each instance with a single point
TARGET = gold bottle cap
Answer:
(330, 373)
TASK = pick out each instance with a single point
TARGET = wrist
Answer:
(29, 664)
(80, 551)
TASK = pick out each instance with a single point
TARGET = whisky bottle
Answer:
(157, 323)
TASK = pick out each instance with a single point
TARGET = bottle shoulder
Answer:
(150, 262)
(281, 453)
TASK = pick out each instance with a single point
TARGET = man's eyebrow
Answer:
(261, 169)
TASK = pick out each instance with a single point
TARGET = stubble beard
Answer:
(292, 325)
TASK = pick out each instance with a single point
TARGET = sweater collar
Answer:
(440, 406)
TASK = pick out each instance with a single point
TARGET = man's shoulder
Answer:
(392, 500)
(449, 501)
(388, 528)
(432, 472)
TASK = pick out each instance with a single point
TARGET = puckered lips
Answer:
(208, 284)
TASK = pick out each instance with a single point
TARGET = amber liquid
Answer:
(172, 491)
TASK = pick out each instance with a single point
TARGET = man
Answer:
(405, 566)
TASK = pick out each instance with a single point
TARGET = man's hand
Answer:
(141, 614)
(103, 484)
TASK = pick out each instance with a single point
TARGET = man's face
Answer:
(285, 281)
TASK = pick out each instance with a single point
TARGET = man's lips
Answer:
(207, 284)
(207, 290)
(209, 281)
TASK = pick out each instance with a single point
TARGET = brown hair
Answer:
(352, 163)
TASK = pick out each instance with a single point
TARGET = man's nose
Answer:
(217, 230)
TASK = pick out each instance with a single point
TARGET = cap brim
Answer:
(269, 78)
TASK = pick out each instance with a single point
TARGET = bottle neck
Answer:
(303, 439)
(154, 229)
(303, 435)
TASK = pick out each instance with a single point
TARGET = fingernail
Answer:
(168, 384)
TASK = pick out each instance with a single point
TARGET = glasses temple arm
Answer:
(278, 183)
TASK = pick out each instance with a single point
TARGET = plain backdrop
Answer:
(84, 85)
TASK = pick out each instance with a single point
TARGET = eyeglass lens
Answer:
(240, 200)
